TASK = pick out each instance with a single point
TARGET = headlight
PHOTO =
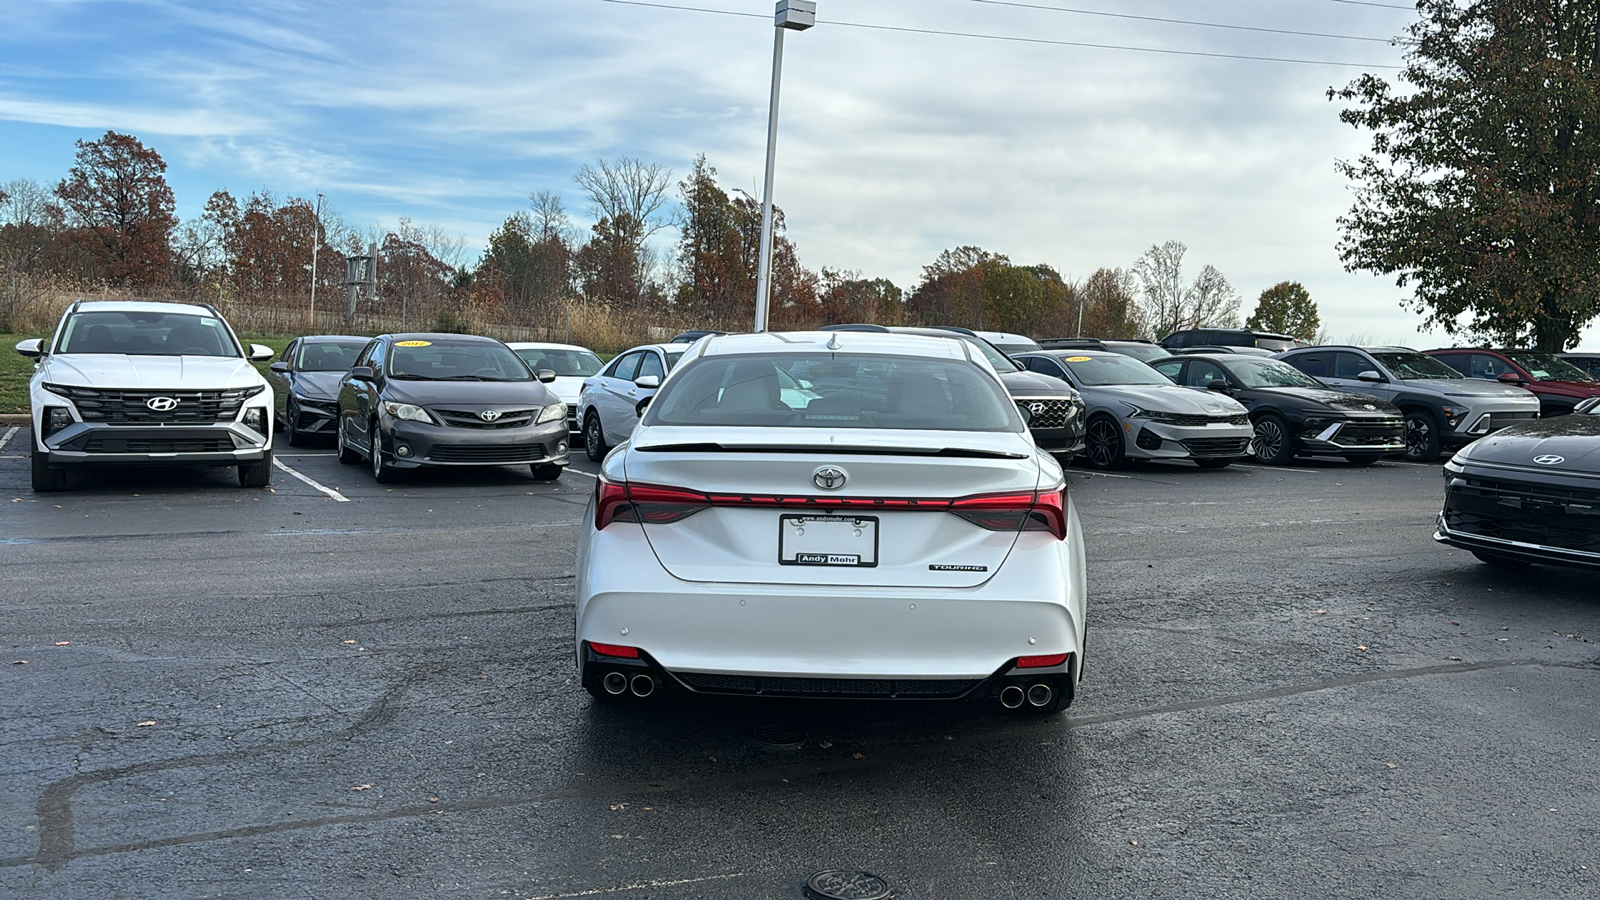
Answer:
(1152, 415)
(55, 419)
(551, 413)
(1454, 414)
(407, 411)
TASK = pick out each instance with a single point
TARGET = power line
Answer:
(1112, 15)
(1020, 40)
(1379, 5)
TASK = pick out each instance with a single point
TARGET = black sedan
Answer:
(415, 400)
(1294, 414)
(1528, 493)
(306, 383)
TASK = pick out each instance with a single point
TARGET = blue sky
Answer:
(893, 145)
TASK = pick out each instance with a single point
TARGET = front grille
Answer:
(827, 687)
(158, 445)
(1365, 434)
(1187, 420)
(1521, 511)
(131, 407)
(464, 418)
(1049, 412)
(1499, 417)
(1217, 446)
(472, 453)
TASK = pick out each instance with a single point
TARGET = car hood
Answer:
(1468, 387)
(1575, 439)
(475, 393)
(1343, 401)
(1575, 388)
(317, 385)
(1165, 398)
(1032, 384)
(119, 370)
(567, 387)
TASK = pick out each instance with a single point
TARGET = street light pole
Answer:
(796, 15)
(316, 244)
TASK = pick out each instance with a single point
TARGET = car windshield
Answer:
(835, 391)
(327, 356)
(565, 363)
(1547, 366)
(430, 360)
(1411, 364)
(1257, 373)
(147, 334)
(1095, 371)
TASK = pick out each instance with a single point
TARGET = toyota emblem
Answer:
(162, 404)
(1550, 459)
(829, 478)
(489, 415)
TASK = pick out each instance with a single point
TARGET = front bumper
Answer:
(1150, 439)
(1354, 436)
(1480, 422)
(1523, 519)
(315, 416)
(416, 444)
(1056, 423)
(87, 444)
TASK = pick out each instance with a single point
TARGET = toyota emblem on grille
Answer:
(829, 478)
(1036, 408)
(162, 404)
(489, 415)
(1550, 459)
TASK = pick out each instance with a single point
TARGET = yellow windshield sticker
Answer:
(1078, 359)
(413, 343)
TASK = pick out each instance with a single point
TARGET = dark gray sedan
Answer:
(306, 383)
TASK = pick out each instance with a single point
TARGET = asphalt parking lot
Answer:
(337, 688)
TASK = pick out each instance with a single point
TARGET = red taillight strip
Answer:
(1036, 662)
(617, 650)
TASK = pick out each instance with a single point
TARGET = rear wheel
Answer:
(594, 437)
(46, 479)
(1500, 562)
(382, 472)
(1422, 436)
(546, 471)
(1103, 444)
(347, 454)
(1272, 443)
(256, 474)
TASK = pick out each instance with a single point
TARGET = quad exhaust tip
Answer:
(615, 683)
(1040, 694)
(1011, 696)
(643, 685)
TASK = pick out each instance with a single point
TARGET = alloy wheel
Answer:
(1104, 444)
(1268, 441)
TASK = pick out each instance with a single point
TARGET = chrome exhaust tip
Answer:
(643, 685)
(1011, 696)
(1040, 694)
(615, 683)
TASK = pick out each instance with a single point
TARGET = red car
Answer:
(1559, 384)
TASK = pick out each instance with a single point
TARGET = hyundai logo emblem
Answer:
(489, 415)
(1370, 406)
(162, 404)
(1036, 408)
(829, 478)
(1550, 459)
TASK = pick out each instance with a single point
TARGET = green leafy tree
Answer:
(1482, 188)
(1286, 308)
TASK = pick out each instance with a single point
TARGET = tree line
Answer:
(110, 224)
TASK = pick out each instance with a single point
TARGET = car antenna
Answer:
(833, 341)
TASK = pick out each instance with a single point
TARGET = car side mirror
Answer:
(32, 348)
(1510, 378)
(280, 367)
(1370, 375)
(361, 373)
(638, 408)
(545, 375)
(261, 353)
(649, 382)
(1587, 407)
(1218, 385)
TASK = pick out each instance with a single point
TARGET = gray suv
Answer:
(1442, 409)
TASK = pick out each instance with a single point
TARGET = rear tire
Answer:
(256, 474)
(46, 479)
(594, 437)
(347, 455)
(546, 471)
(1423, 442)
(1495, 560)
(1273, 444)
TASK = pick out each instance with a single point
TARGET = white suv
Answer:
(140, 382)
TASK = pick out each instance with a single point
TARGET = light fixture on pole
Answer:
(316, 243)
(796, 15)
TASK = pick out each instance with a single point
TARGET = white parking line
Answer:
(581, 472)
(326, 490)
(7, 439)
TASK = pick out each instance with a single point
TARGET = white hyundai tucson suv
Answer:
(888, 530)
(147, 383)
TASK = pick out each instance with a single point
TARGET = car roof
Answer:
(441, 337)
(163, 306)
(1299, 350)
(797, 342)
(1078, 351)
(324, 338)
(544, 345)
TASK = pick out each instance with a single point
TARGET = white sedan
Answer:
(571, 363)
(889, 531)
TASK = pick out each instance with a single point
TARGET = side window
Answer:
(1044, 365)
(650, 365)
(1482, 365)
(1202, 373)
(1170, 368)
(1351, 365)
(1180, 340)
(1457, 361)
(626, 367)
(367, 353)
(1315, 364)
(289, 354)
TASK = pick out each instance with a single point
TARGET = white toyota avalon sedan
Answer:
(833, 514)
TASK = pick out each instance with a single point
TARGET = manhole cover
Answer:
(779, 736)
(840, 884)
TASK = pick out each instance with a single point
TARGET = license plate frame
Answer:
(834, 546)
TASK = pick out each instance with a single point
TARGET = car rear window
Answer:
(835, 391)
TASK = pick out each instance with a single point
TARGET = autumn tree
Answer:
(411, 273)
(954, 290)
(1286, 308)
(117, 194)
(1169, 303)
(29, 227)
(1110, 305)
(845, 296)
(625, 197)
(529, 260)
(1482, 188)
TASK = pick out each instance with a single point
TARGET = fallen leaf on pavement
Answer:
(146, 724)
(362, 787)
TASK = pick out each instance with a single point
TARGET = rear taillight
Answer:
(647, 503)
(1039, 662)
(617, 650)
(1030, 511)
